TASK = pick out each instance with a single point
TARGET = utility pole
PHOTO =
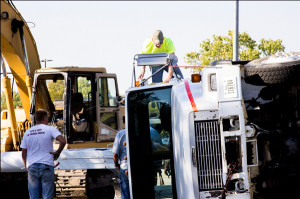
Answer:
(46, 60)
(236, 32)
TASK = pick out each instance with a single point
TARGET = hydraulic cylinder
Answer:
(11, 111)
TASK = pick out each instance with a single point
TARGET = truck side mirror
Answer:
(121, 100)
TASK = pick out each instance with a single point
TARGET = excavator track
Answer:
(82, 184)
(71, 183)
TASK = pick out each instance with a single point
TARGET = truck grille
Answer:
(209, 156)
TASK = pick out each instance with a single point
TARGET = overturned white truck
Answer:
(232, 132)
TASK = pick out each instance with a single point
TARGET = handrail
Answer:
(150, 56)
(144, 80)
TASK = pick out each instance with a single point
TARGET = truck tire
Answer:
(259, 73)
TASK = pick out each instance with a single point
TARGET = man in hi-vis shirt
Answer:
(160, 44)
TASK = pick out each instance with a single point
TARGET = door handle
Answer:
(194, 158)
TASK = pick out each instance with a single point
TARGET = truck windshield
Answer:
(150, 143)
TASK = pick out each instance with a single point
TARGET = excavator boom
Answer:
(19, 49)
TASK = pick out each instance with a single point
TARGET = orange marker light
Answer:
(196, 78)
(137, 83)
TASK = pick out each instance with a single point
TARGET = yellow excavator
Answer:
(83, 103)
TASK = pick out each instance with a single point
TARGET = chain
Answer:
(229, 174)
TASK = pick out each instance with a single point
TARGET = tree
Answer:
(16, 100)
(3, 101)
(56, 89)
(84, 86)
(221, 48)
(270, 47)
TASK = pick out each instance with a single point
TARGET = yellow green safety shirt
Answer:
(166, 47)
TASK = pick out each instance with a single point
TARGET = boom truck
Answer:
(231, 131)
(82, 103)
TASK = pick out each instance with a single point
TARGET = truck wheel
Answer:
(259, 73)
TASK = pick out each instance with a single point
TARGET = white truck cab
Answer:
(202, 143)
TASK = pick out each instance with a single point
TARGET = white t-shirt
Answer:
(38, 140)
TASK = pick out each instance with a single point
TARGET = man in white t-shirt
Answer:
(38, 156)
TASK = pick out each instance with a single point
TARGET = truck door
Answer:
(109, 118)
(150, 143)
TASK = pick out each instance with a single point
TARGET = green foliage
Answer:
(3, 101)
(56, 89)
(221, 48)
(16, 100)
(270, 47)
(84, 86)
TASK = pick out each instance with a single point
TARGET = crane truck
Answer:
(83, 106)
(231, 131)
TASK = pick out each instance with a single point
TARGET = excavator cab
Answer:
(82, 105)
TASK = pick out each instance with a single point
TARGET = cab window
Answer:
(107, 92)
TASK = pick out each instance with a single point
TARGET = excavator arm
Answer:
(19, 53)
(19, 49)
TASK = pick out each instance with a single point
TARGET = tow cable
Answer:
(229, 174)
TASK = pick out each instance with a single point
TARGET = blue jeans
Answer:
(125, 194)
(41, 176)
(158, 76)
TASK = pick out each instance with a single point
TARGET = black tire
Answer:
(258, 73)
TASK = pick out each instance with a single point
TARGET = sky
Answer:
(109, 33)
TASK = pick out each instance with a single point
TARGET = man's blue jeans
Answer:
(158, 76)
(41, 176)
(125, 194)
